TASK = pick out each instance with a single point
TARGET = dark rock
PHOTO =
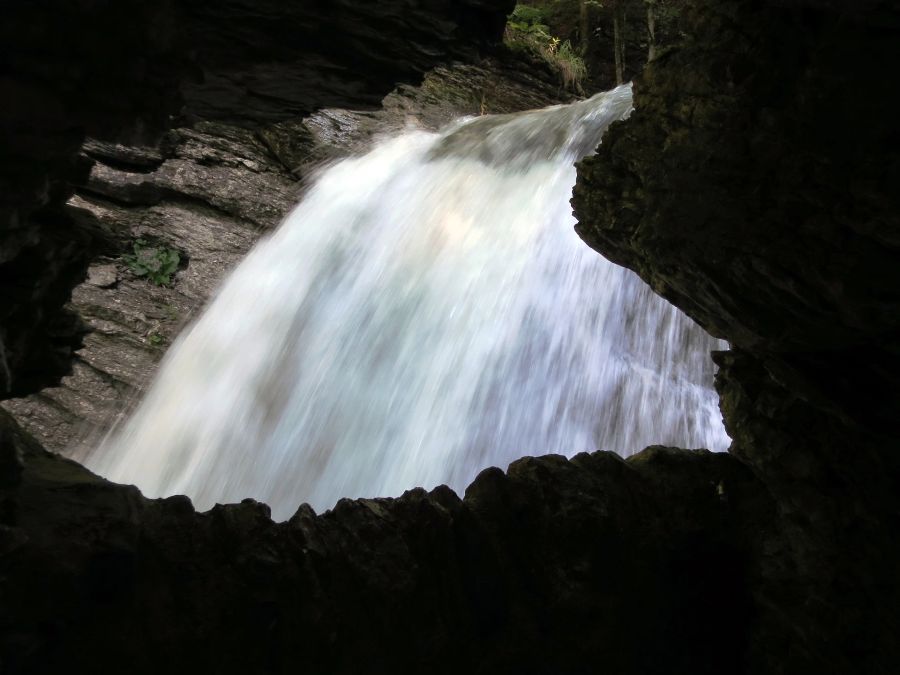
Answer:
(265, 61)
(40, 261)
(728, 171)
(126, 157)
(553, 567)
(754, 187)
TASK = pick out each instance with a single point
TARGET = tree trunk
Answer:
(651, 29)
(583, 25)
(619, 39)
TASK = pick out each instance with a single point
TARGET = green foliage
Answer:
(523, 16)
(155, 339)
(527, 31)
(572, 67)
(526, 26)
(157, 263)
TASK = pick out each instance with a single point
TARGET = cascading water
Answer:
(426, 311)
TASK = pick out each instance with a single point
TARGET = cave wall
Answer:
(755, 188)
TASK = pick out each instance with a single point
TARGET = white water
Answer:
(426, 311)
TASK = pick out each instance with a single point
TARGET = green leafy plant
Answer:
(528, 14)
(526, 30)
(528, 19)
(157, 263)
(155, 339)
(526, 26)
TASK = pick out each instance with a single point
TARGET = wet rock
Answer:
(497, 84)
(733, 193)
(685, 193)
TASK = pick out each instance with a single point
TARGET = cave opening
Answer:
(426, 312)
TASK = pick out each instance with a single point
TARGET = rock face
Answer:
(538, 570)
(118, 70)
(760, 152)
(265, 60)
(755, 187)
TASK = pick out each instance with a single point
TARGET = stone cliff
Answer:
(755, 188)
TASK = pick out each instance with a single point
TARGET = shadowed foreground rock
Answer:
(557, 566)
(756, 188)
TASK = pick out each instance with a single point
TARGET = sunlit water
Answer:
(426, 311)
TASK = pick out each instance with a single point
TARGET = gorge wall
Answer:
(753, 187)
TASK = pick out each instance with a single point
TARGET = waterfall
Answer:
(427, 311)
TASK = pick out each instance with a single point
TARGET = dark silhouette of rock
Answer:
(755, 188)
(554, 566)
